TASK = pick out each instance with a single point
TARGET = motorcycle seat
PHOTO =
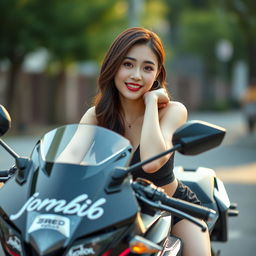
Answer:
(200, 180)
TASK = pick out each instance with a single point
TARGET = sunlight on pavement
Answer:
(235, 234)
(239, 174)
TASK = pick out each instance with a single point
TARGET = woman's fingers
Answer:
(162, 105)
(160, 94)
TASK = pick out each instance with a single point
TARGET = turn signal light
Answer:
(141, 245)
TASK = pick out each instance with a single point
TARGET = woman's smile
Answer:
(133, 87)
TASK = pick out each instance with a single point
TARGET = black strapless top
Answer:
(161, 177)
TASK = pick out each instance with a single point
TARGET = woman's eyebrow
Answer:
(146, 61)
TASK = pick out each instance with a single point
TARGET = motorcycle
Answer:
(75, 196)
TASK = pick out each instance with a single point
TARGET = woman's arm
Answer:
(79, 144)
(89, 117)
(159, 126)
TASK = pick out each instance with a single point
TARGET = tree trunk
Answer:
(56, 100)
(252, 58)
(12, 79)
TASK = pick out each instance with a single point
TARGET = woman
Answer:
(133, 102)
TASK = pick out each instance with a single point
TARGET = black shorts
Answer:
(183, 192)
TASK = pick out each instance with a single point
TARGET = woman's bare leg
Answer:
(195, 242)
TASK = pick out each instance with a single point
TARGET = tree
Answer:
(201, 31)
(61, 26)
(175, 10)
(240, 15)
(17, 32)
(245, 12)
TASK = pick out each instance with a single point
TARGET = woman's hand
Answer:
(159, 95)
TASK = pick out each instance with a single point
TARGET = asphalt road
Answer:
(234, 162)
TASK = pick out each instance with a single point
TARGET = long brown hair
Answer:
(107, 103)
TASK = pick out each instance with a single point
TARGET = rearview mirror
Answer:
(5, 120)
(192, 138)
(198, 136)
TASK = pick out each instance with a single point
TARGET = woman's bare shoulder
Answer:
(174, 108)
(89, 117)
(175, 115)
(178, 106)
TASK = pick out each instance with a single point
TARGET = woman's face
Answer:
(137, 72)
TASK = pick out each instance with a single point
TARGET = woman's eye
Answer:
(127, 64)
(149, 68)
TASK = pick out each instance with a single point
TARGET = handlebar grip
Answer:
(195, 210)
(4, 173)
(155, 194)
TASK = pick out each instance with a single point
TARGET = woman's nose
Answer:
(136, 75)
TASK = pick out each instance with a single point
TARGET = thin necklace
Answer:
(129, 124)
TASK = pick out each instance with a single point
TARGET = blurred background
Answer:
(51, 51)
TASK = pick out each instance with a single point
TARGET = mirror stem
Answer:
(7, 148)
(151, 159)
(120, 173)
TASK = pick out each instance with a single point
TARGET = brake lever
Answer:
(178, 213)
(153, 193)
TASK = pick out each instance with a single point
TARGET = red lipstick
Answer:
(133, 87)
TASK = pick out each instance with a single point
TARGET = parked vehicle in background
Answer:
(248, 102)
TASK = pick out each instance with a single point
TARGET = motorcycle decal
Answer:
(81, 250)
(51, 221)
(14, 243)
(92, 210)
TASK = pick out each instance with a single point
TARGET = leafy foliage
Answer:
(197, 25)
(63, 27)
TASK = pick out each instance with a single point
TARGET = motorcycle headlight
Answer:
(10, 240)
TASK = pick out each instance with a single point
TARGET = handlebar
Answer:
(155, 194)
(7, 174)
(4, 176)
(197, 211)
(4, 173)
(176, 212)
